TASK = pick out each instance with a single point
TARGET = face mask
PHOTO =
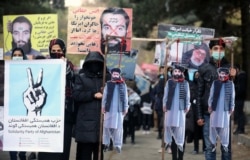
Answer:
(56, 55)
(218, 55)
(17, 58)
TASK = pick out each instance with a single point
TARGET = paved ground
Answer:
(147, 146)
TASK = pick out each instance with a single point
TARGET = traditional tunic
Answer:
(175, 117)
(113, 119)
(220, 116)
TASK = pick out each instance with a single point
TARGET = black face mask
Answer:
(95, 67)
(56, 55)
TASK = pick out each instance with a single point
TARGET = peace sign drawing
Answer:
(34, 97)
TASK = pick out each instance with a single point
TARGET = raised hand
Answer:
(34, 97)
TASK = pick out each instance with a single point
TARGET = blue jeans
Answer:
(209, 155)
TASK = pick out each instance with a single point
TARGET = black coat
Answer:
(207, 74)
(87, 83)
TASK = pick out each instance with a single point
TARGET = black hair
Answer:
(58, 41)
(219, 42)
(21, 19)
(21, 50)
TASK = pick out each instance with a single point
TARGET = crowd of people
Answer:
(188, 107)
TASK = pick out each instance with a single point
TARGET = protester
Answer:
(130, 119)
(88, 96)
(18, 54)
(57, 50)
(176, 103)
(207, 74)
(240, 96)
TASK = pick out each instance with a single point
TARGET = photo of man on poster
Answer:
(21, 29)
(114, 22)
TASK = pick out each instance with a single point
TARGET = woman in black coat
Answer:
(88, 94)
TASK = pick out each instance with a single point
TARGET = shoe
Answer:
(143, 132)
(160, 150)
(195, 152)
(118, 149)
(132, 142)
(105, 148)
(238, 132)
(147, 132)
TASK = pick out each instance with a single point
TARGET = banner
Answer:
(182, 52)
(88, 28)
(34, 103)
(30, 32)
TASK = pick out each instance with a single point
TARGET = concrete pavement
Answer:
(147, 146)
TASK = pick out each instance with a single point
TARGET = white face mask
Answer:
(218, 55)
(17, 58)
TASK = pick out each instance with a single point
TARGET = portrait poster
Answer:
(126, 63)
(44, 28)
(189, 37)
(34, 105)
(85, 32)
(1, 102)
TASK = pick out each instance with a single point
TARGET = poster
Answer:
(126, 63)
(31, 32)
(88, 27)
(34, 105)
(182, 51)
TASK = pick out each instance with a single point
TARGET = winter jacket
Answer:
(207, 74)
(87, 83)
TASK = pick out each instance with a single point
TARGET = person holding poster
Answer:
(57, 50)
(114, 107)
(114, 22)
(18, 54)
(176, 103)
(207, 74)
(88, 94)
(21, 29)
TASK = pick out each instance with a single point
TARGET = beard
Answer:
(113, 48)
(196, 63)
(26, 47)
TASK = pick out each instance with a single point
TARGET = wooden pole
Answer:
(103, 85)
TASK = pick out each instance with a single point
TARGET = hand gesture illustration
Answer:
(34, 97)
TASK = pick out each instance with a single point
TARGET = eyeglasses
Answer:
(216, 48)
